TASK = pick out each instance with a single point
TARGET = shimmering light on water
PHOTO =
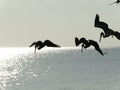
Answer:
(10, 65)
(15, 61)
(59, 69)
(6, 53)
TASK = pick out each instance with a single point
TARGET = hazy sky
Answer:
(25, 21)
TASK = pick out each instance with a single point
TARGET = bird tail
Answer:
(96, 46)
(99, 50)
(117, 34)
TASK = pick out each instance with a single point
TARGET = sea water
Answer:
(59, 69)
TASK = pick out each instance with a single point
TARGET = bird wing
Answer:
(76, 41)
(99, 24)
(48, 43)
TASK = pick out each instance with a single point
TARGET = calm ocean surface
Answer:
(59, 69)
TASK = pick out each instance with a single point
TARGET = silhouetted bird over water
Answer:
(104, 26)
(39, 44)
(118, 1)
(88, 43)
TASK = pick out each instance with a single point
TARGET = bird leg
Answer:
(112, 36)
(82, 47)
(102, 34)
(35, 49)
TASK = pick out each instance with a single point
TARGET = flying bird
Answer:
(39, 44)
(118, 1)
(88, 43)
(104, 26)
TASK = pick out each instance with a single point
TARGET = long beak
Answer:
(32, 44)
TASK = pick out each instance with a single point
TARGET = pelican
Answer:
(107, 31)
(39, 44)
(118, 1)
(88, 43)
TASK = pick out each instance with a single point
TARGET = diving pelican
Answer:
(39, 44)
(87, 43)
(107, 31)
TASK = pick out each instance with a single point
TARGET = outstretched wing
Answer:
(100, 24)
(48, 43)
(96, 46)
(79, 41)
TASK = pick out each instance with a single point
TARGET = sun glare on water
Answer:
(6, 53)
(10, 66)
(15, 61)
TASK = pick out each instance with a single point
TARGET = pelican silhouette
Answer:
(39, 44)
(118, 1)
(107, 31)
(87, 43)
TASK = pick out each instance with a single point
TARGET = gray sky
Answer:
(25, 21)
